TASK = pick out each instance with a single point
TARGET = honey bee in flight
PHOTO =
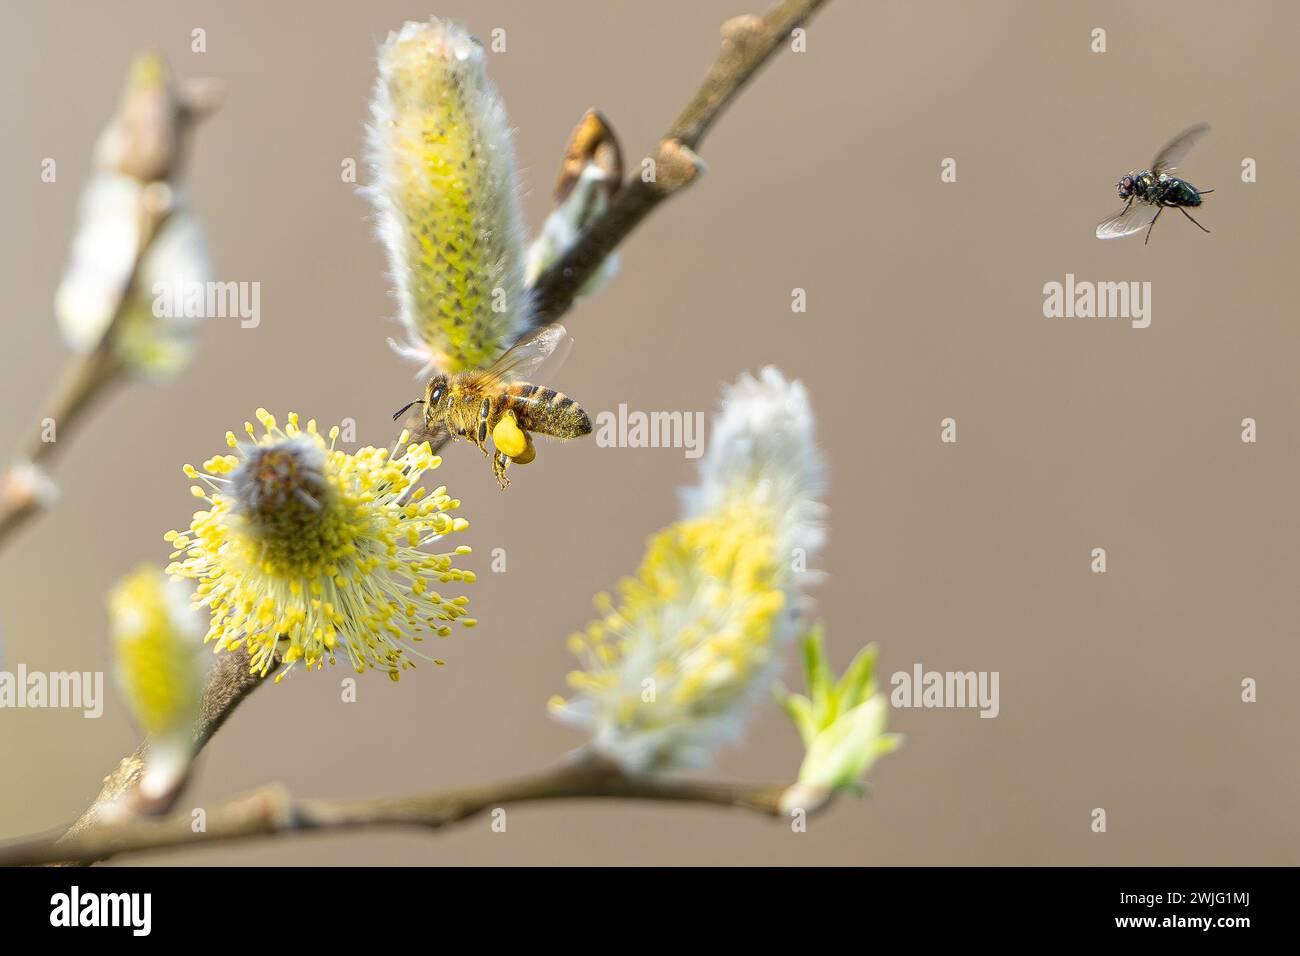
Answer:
(503, 403)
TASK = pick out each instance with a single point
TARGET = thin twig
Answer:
(229, 682)
(152, 122)
(87, 376)
(747, 43)
(272, 812)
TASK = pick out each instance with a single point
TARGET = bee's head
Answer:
(435, 399)
(435, 395)
(1126, 187)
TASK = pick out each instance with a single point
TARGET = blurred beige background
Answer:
(924, 301)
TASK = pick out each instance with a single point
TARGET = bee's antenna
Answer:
(402, 411)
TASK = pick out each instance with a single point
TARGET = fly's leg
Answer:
(499, 463)
(1194, 222)
(1153, 225)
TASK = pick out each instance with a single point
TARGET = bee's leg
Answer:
(499, 463)
(1159, 210)
(1189, 216)
(484, 411)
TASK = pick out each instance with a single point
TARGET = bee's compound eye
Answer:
(437, 394)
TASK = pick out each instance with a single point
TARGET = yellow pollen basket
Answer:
(509, 438)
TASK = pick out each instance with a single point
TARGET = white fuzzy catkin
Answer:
(673, 669)
(445, 188)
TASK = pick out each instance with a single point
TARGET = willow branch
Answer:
(87, 376)
(151, 124)
(228, 684)
(747, 43)
(273, 812)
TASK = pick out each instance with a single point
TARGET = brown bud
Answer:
(145, 138)
(591, 143)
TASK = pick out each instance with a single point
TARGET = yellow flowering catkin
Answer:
(671, 669)
(445, 189)
(697, 622)
(155, 643)
(306, 550)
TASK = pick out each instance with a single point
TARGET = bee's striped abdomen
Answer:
(546, 411)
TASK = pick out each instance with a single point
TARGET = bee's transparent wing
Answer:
(1177, 149)
(1134, 216)
(544, 350)
(412, 419)
(437, 436)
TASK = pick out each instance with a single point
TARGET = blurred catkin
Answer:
(445, 188)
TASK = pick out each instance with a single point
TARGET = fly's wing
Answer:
(1177, 149)
(544, 349)
(1130, 219)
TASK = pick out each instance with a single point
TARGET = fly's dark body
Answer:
(1151, 191)
(1165, 192)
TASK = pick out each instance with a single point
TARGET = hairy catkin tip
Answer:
(445, 187)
